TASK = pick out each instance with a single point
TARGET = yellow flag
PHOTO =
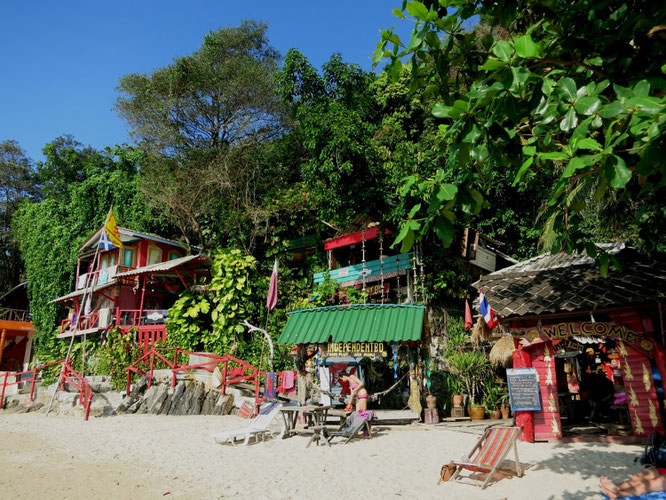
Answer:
(111, 230)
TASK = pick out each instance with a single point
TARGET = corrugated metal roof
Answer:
(128, 236)
(80, 292)
(161, 266)
(354, 323)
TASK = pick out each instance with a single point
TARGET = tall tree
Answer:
(202, 119)
(219, 96)
(17, 183)
(570, 95)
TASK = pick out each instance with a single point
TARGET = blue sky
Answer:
(61, 61)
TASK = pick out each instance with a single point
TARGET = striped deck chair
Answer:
(489, 453)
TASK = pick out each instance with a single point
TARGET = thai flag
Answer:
(487, 311)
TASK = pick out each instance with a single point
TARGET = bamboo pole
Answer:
(89, 284)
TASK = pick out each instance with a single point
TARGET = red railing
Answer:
(230, 375)
(68, 374)
(138, 317)
(85, 322)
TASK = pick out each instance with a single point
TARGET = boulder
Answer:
(177, 400)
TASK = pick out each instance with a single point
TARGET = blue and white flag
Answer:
(486, 311)
(105, 242)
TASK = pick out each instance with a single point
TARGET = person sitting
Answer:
(647, 481)
(358, 391)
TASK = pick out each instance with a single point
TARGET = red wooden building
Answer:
(133, 286)
(597, 343)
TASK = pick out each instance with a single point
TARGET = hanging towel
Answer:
(271, 385)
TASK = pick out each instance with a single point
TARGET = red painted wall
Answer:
(547, 423)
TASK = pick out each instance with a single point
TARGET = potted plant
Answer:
(454, 386)
(493, 400)
(472, 368)
(505, 409)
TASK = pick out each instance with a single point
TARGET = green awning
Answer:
(354, 323)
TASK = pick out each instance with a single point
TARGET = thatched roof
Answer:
(501, 352)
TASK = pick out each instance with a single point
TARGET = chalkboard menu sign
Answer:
(523, 389)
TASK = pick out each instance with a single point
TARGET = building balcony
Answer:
(374, 270)
(107, 317)
(100, 277)
(9, 314)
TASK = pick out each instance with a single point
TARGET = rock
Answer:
(134, 406)
(196, 401)
(148, 399)
(177, 399)
(209, 403)
(35, 407)
(155, 404)
(224, 404)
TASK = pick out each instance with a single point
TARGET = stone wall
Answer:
(193, 394)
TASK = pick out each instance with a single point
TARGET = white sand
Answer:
(145, 456)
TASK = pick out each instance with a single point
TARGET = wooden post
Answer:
(2, 343)
(143, 294)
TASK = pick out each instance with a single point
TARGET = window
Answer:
(174, 255)
(128, 257)
(104, 262)
(154, 255)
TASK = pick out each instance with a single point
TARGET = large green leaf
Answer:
(447, 191)
(568, 87)
(587, 105)
(525, 47)
(441, 110)
(617, 172)
(503, 49)
(569, 121)
(611, 110)
(444, 230)
(523, 168)
(418, 10)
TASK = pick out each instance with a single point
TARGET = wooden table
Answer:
(315, 426)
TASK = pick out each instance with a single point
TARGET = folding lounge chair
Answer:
(258, 428)
(488, 454)
(352, 430)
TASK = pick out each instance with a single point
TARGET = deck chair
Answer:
(353, 428)
(488, 454)
(258, 428)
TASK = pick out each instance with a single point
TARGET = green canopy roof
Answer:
(354, 323)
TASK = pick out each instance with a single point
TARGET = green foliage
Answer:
(80, 186)
(219, 96)
(212, 321)
(565, 96)
(472, 368)
(494, 396)
(117, 353)
(17, 184)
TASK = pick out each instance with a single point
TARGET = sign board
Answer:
(561, 331)
(355, 349)
(523, 389)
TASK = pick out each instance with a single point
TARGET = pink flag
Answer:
(271, 300)
(468, 316)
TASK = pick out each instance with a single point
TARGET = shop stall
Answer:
(596, 344)
(331, 339)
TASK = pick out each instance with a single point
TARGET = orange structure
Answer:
(16, 330)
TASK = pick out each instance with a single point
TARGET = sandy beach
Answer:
(142, 456)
